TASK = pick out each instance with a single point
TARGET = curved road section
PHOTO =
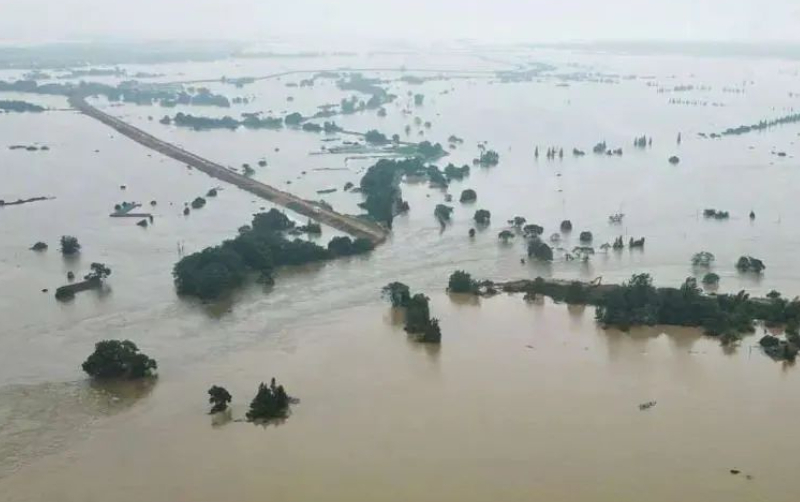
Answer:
(352, 225)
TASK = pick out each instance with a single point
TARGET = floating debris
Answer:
(647, 405)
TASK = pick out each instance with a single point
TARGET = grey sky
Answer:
(424, 20)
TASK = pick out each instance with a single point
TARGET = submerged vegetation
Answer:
(259, 249)
(638, 303)
(115, 359)
(270, 403)
(419, 322)
(218, 397)
(20, 107)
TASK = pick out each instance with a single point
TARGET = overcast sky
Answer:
(421, 20)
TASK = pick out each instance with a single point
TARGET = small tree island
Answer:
(271, 403)
(115, 359)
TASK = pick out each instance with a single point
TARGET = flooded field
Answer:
(520, 402)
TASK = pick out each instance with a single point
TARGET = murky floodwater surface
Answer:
(521, 401)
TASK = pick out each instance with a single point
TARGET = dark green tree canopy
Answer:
(115, 359)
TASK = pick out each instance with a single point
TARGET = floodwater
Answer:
(521, 402)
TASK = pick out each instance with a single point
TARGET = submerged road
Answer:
(351, 225)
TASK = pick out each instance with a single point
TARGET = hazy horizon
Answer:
(409, 20)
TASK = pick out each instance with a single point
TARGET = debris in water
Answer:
(647, 405)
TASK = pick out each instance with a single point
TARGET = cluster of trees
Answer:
(375, 137)
(638, 302)
(716, 214)
(115, 359)
(419, 322)
(539, 249)
(20, 107)
(462, 282)
(259, 248)
(271, 402)
(454, 172)
(443, 213)
(249, 121)
(468, 195)
(429, 151)
(489, 158)
(69, 245)
(642, 142)
(750, 264)
(380, 186)
(483, 217)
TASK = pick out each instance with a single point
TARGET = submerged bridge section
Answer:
(351, 225)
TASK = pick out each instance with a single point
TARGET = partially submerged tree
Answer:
(397, 293)
(586, 236)
(443, 212)
(115, 359)
(462, 282)
(539, 249)
(99, 272)
(69, 245)
(750, 264)
(271, 402)
(482, 217)
(468, 195)
(710, 279)
(703, 259)
(566, 226)
(505, 235)
(219, 397)
(39, 246)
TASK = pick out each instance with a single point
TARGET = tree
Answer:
(293, 119)
(566, 226)
(482, 217)
(711, 279)
(375, 137)
(539, 249)
(209, 273)
(505, 235)
(468, 195)
(344, 246)
(575, 295)
(198, 202)
(431, 333)
(39, 246)
(489, 158)
(397, 293)
(419, 99)
(461, 282)
(271, 402)
(532, 230)
(586, 236)
(418, 313)
(69, 245)
(750, 264)
(272, 221)
(99, 272)
(115, 359)
(443, 212)
(703, 259)
(219, 397)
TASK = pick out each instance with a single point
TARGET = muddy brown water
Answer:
(521, 402)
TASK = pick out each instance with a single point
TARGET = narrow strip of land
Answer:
(464, 73)
(352, 225)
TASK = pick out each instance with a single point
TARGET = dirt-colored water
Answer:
(521, 402)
